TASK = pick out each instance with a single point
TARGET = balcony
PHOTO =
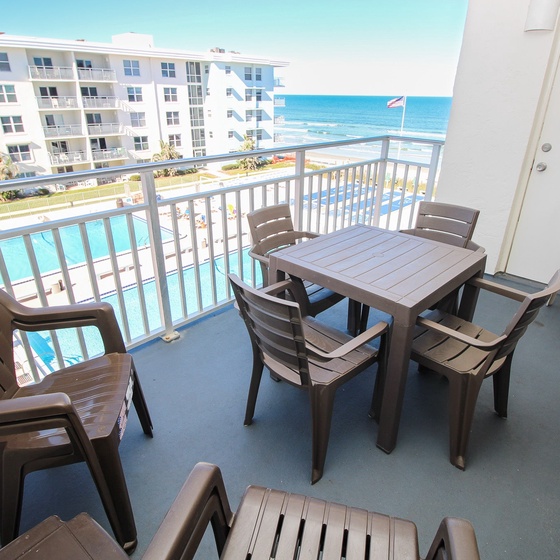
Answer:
(97, 75)
(68, 158)
(147, 241)
(100, 102)
(279, 119)
(54, 73)
(102, 129)
(279, 101)
(63, 130)
(62, 102)
(110, 153)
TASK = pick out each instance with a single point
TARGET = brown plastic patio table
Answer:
(393, 272)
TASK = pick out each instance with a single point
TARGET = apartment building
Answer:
(76, 105)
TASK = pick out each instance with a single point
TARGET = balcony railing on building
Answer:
(51, 73)
(279, 101)
(161, 258)
(97, 75)
(100, 102)
(68, 158)
(63, 130)
(105, 128)
(109, 153)
(62, 102)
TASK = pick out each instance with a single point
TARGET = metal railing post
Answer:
(299, 183)
(156, 246)
(432, 172)
(379, 180)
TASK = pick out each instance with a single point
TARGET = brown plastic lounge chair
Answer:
(303, 352)
(268, 524)
(74, 414)
(272, 229)
(447, 223)
(467, 354)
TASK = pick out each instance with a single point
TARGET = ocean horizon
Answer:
(310, 119)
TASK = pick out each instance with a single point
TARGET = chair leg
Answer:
(501, 387)
(463, 393)
(322, 401)
(256, 376)
(11, 479)
(379, 387)
(140, 405)
(114, 495)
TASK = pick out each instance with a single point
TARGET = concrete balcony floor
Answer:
(196, 389)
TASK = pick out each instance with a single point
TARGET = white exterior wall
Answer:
(496, 105)
(21, 51)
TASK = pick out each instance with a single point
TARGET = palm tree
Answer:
(166, 153)
(8, 169)
(250, 163)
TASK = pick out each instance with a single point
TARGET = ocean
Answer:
(327, 118)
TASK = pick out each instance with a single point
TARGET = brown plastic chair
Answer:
(305, 353)
(447, 223)
(74, 414)
(467, 354)
(272, 229)
(268, 524)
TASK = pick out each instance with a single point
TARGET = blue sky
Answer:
(347, 47)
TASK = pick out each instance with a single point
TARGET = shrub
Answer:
(134, 178)
(230, 166)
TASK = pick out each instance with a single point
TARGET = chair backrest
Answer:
(276, 327)
(8, 380)
(526, 314)
(447, 223)
(271, 228)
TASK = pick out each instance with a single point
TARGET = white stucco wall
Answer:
(495, 100)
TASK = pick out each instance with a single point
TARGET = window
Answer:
(248, 95)
(48, 92)
(229, 113)
(197, 116)
(98, 144)
(248, 116)
(258, 74)
(59, 147)
(41, 62)
(255, 134)
(140, 142)
(65, 169)
(228, 69)
(259, 94)
(83, 63)
(230, 134)
(11, 124)
(138, 119)
(4, 62)
(175, 140)
(258, 115)
(134, 93)
(93, 118)
(88, 91)
(193, 73)
(7, 94)
(198, 139)
(168, 69)
(24, 174)
(170, 93)
(172, 117)
(131, 68)
(195, 95)
(19, 153)
(229, 92)
(248, 73)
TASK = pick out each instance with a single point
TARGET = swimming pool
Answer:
(15, 254)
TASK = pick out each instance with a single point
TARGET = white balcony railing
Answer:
(161, 259)
(279, 101)
(67, 158)
(97, 75)
(63, 130)
(101, 102)
(110, 153)
(105, 128)
(63, 102)
(54, 73)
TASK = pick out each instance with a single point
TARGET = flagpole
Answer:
(402, 126)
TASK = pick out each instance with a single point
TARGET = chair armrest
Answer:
(261, 258)
(202, 499)
(373, 332)
(100, 315)
(454, 540)
(496, 288)
(305, 234)
(461, 337)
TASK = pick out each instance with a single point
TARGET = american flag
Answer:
(396, 102)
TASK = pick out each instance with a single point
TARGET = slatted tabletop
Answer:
(390, 271)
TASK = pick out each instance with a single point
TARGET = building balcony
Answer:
(97, 75)
(54, 73)
(279, 119)
(109, 153)
(100, 102)
(279, 101)
(105, 129)
(68, 158)
(279, 82)
(62, 102)
(63, 130)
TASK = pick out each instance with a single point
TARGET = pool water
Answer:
(15, 254)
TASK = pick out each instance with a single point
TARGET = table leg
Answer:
(395, 384)
(469, 298)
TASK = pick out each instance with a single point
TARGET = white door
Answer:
(535, 252)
